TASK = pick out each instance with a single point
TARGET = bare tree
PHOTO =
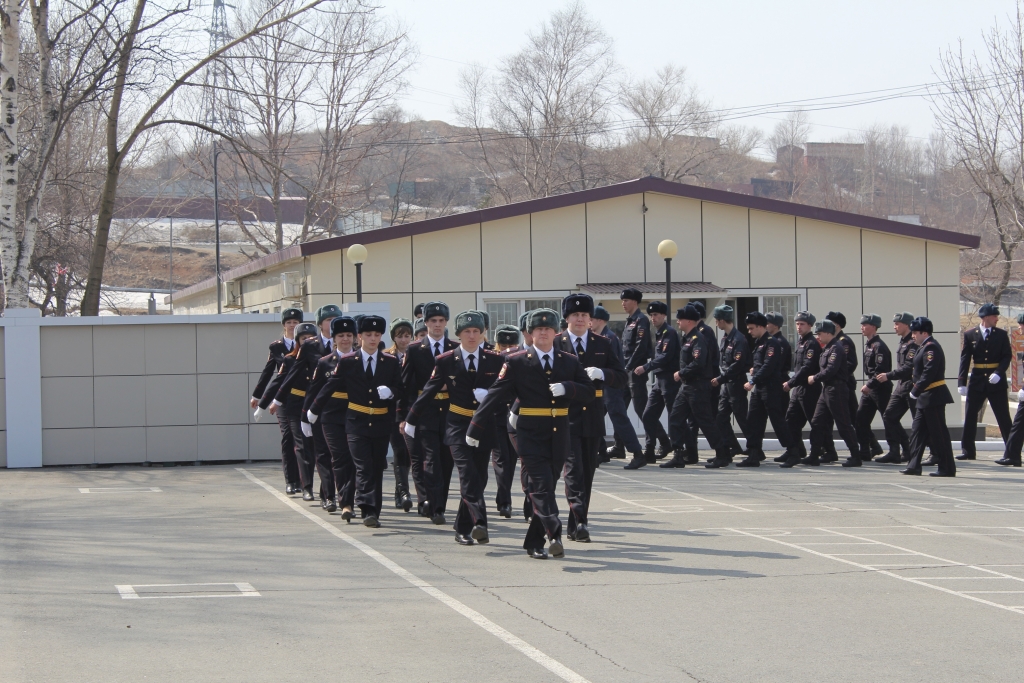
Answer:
(786, 144)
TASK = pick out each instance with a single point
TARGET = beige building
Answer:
(753, 252)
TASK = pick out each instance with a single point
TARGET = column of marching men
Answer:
(541, 395)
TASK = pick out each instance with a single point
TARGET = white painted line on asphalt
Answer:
(666, 488)
(959, 500)
(552, 665)
(120, 489)
(128, 592)
(628, 502)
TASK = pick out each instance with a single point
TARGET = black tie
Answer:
(547, 364)
(437, 349)
(369, 368)
(328, 345)
(579, 347)
(472, 367)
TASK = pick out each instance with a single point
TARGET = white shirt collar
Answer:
(339, 352)
(466, 353)
(364, 355)
(432, 341)
(288, 343)
(550, 354)
(573, 338)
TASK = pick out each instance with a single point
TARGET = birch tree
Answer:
(10, 48)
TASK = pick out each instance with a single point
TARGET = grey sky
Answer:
(739, 53)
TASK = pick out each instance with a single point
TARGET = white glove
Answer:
(260, 412)
(595, 373)
(994, 378)
(962, 391)
(384, 392)
(557, 389)
(410, 430)
(307, 429)
(513, 419)
(311, 417)
(912, 396)
(472, 442)
(1020, 395)
(480, 394)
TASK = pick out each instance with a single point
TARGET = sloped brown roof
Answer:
(615, 289)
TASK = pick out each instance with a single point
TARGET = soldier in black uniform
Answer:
(712, 339)
(767, 400)
(932, 396)
(664, 388)
(503, 455)
(616, 400)
(545, 381)
(852, 361)
(324, 316)
(419, 329)
(430, 459)
(1011, 455)
(989, 348)
(734, 354)
(693, 401)
(803, 397)
(343, 331)
(586, 420)
(401, 337)
(290, 317)
(899, 402)
(636, 348)
(372, 380)
(776, 321)
(875, 394)
(833, 404)
(465, 374)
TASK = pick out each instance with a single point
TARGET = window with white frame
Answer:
(502, 313)
(787, 305)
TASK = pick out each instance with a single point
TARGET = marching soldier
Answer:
(615, 400)
(988, 347)
(503, 455)
(324, 316)
(899, 402)
(932, 396)
(586, 420)
(776, 321)
(839, 320)
(693, 401)
(372, 380)
(664, 387)
(290, 317)
(803, 396)
(767, 400)
(430, 459)
(875, 393)
(401, 337)
(833, 404)
(419, 329)
(1011, 455)
(545, 381)
(464, 374)
(734, 354)
(636, 348)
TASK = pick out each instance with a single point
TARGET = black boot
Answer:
(638, 461)
(664, 448)
(892, 457)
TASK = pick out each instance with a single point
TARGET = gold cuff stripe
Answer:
(298, 392)
(339, 394)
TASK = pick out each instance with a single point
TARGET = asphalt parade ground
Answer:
(813, 574)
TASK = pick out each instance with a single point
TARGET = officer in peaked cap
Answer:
(546, 381)
(901, 377)
(803, 396)
(932, 396)
(875, 394)
(586, 420)
(324, 316)
(430, 458)
(664, 388)
(984, 363)
(1011, 455)
(734, 361)
(636, 347)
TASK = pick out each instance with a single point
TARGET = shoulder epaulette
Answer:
(349, 354)
(517, 353)
(445, 354)
(490, 352)
(388, 355)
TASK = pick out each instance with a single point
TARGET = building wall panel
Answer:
(172, 444)
(891, 260)
(264, 441)
(325, 272)
(726, 245)
(446, 260)
(827, 255)
(67, 402)
(888, 301)
(943, 264)
(120, 444)
(170, 349)
(389, 265)
(772, 250)
(68, 447)
(171, 400)
(944, 308)
(66, 351)
(558, 260)
(614, 240)
(676, 219)
(218, 399)
(119, 349)
(506, 254)
(222, 442)
(120, 401)
(217, 349)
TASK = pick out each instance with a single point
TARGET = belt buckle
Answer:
(554, 412)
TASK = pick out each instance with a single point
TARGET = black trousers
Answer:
(693, 403)
(324, 463)
(732, 400)
(420, 481)
(638, 391)
(472, 465)
(370, 457)
(303, 453)
(979, 391)
(833, 407)
(802, 402)
(875, 401)
(895, 434)
(663, 394)
(829, 443)
(437, 469)
(289, 464)
(625, 434)
(766, 404)
(1016, 440)
(503, 460)
(580, 466)
(929, 430)
(543, 456)
(343, 468)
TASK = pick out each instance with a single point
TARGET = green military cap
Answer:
(825, 326)
(543, 317)
(904, 317)
(506, 334)
(468, 319)
(723, 312)
(487, 319)
(418, 326)
(328, 311)
(400, 322)
(871, 319)
(775, 318)
(805, 317)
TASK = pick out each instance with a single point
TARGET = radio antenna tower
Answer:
(219, 99)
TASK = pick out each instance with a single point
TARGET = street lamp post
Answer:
(667, 249)
(357, 257)
(170, 277)
(216, 223)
